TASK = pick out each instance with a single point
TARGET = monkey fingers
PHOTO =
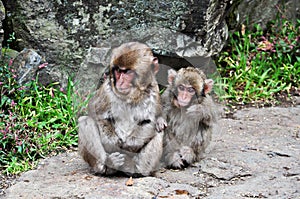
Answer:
(161, 124)
(115, 160)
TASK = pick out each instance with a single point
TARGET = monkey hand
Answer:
(115, 160)
(161, 124)
(200, 111)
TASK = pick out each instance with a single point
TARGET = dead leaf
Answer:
(88, 177)
(181, 192)
(74, 172)
(129, 182)
(164, 197)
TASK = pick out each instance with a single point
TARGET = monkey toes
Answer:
(187, 154)
(176, 161)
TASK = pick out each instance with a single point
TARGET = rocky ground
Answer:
(254, 154)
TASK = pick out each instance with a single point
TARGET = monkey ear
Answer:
(171, 76)
(208, 86)
(155, 65)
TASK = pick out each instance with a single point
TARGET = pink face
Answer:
(185, 95)
(124, 78)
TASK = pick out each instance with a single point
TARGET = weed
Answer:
(35, 121)
(257, 65)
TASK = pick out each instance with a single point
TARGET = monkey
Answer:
(190, 114)
(123, 131)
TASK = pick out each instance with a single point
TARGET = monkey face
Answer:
(123, 79)
(185, 94)
(188, 86)
(132, 71)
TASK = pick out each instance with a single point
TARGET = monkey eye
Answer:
(124, 71)
(191, 90)
(181, 87)
(128, 71)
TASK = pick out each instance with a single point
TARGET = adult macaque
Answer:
(124, 128)
(190, 115)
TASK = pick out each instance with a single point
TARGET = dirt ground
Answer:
(253, 154)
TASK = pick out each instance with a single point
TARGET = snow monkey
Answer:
(190, 115)
(124, 127)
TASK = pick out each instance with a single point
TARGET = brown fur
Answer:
(189, 128)
(124, 132)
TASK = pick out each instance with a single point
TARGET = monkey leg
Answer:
(172, 158)
(148, 159)
(187, 155)
(90, 146)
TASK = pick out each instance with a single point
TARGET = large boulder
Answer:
(69, 34)
(64, 32)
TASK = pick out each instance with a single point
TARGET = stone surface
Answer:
(64, 32)
(255, 154)
(250, 12)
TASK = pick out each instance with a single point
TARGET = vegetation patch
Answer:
(261, 66)
(35, 121)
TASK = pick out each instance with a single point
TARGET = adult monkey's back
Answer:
(124, 128)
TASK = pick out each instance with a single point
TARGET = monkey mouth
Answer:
(180, 103)
(124, 91)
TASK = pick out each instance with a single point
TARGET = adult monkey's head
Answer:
(132, 70)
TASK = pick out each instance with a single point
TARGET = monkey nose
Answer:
(184, 95)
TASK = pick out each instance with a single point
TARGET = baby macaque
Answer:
(190, 115)
(124, 128)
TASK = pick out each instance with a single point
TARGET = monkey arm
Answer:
(144, 161)
(205, 111)
(161, 123)
(100, 104)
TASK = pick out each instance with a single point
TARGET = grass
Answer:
(257, 65)
(35, 121)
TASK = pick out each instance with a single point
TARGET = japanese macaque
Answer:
(190, 115)
(124, 127)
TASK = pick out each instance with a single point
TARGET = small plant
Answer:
(258, 65)
(35, 121)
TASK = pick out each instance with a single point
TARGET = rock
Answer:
(254, 155)
(26, 65)
(184, 31)
(261, 12)
(65, 30)
(91, 70)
